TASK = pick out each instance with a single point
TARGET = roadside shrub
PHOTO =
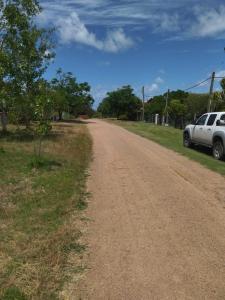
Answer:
(2, 150)
(13, 293)
(43, 163)
(123, 118)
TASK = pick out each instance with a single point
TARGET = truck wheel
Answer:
(187, 140)
(218, 150)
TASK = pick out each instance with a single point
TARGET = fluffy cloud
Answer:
(159, 80)
(153, 87)
(209, 23)
(220, 73)
(72, 29)
(183, 19)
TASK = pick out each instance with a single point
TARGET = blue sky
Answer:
(159, 44)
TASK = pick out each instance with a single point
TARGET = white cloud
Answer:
(153, 88)
(166, 23)
(220, 73)
(159, 80)
(178, 19)
(209, 23)
(117, 40)
(72, 29)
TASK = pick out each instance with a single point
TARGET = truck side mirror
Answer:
(218, 123)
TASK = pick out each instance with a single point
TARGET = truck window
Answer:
(202, 120)
(222, 118)
(211, 120)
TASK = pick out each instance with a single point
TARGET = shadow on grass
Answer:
(43, 163)
(204, 150)
(27, 136)
(75, 122)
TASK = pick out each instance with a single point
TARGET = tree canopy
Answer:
(26, 51)
(122, 103)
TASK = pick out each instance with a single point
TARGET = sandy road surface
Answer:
(158, 229)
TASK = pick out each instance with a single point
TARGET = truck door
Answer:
(198, 135)
(208, 129)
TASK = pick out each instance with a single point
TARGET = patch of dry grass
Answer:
(39, 209)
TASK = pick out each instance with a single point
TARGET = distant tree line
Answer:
(26, 51)
(182, 107)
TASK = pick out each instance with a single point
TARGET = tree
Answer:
(69, 95)
(196, 105)
(178, 111)
(81, 101)
(43, 112)
(156, 105)
(26, 52)
(218, 102)
(59, 86)
(121, 103)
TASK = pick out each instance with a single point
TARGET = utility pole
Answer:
(211, 91)
(166, 109)
(143, 103)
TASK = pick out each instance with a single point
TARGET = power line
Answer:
(218, 77)
(197, 84)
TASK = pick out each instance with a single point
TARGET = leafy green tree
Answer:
(26, 52)
(71, 96)
(60, 91)
(156, 105)
(43, 113)
(218, 102)
(196, 105)
(121, 103)
(178, 110)
(81, 100)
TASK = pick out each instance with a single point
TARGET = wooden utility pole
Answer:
(143, 103)
(211, 91)
(166, 109)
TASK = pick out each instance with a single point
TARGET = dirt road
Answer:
(158, 229)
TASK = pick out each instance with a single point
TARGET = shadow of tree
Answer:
(204, 150)
(27, 136)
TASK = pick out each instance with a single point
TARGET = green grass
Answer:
(40, 199)
(173, 139)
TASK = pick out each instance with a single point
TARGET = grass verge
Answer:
(40, 202)
(173, 139)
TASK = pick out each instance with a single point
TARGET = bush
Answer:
(13, 293)
(43, 163)
(123, 118)
(2, 150)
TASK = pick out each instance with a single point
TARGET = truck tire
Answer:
(187, 141)
(218, 150)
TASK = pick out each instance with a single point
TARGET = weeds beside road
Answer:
(38, 211)
(173, 139)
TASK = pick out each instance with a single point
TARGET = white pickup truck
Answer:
(209, 131)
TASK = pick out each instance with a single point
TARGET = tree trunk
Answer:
(182, 123)
(27, 124)
(60, 116)
(4, 121)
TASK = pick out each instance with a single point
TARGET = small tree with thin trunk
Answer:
(43, 112)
